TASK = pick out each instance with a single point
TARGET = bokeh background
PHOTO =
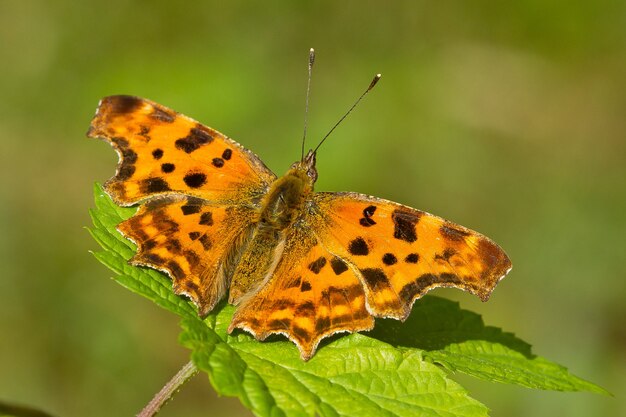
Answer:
(506, 117)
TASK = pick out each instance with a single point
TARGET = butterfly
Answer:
(295, 262)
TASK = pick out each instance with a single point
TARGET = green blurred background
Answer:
(506, 117)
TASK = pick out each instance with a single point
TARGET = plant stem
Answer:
(168, 391)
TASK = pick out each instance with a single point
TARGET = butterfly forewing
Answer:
(163, 152)
(199, 191)
(402, 253)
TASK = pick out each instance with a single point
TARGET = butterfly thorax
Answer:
(283, 203)
(263, 246)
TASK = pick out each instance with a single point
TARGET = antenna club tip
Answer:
(374, 81)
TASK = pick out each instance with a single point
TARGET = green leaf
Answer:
(459, 340)
(350, 375)
(106, 206)
(399, 369)
(498, 363)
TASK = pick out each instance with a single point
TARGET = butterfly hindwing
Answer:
(189, 239)
(401, 253)
(163, 152)
(311, 295)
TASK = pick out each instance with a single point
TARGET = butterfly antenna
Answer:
(372, 84)
(306, 106)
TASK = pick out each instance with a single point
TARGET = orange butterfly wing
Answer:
(200, 192)
(190, 239)
(401, 253)
(353, 257)
(163, 152)
(311, 295)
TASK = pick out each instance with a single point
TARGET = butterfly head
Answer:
(306, 167)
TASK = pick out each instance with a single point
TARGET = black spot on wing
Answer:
(152, 259)
(369, 211)
(164, 223)
(175, 269)
(358, 247)
(446, 255)
(424, 282)
(154, 185)
(338, 266)
(404, 222)
(195, 179)
(194, 235)
(301, 333)
(412, 258)
(217, 162)
(451, 232)
(126, 169)
(322, 324)
(188, 209)
(163, 115)
(195, 139)
(192, 257)
(143, 131)
(375, 278)
(306, 286)
(124, 104)
(325, 296)
(173, 245)
(306, 309)
(157, 154)
(366, 222)
(279, 324)
(167, 168)
(206, 219)
(227, 154)
(191, 286)
(389, 259)
(317, 265)
(149, 244)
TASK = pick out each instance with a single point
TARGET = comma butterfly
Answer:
(296, 262)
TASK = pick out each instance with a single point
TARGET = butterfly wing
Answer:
(163, 152)
(401, 253)
(311, 295)
(190, 240)
(353, 257)
(199, 192)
